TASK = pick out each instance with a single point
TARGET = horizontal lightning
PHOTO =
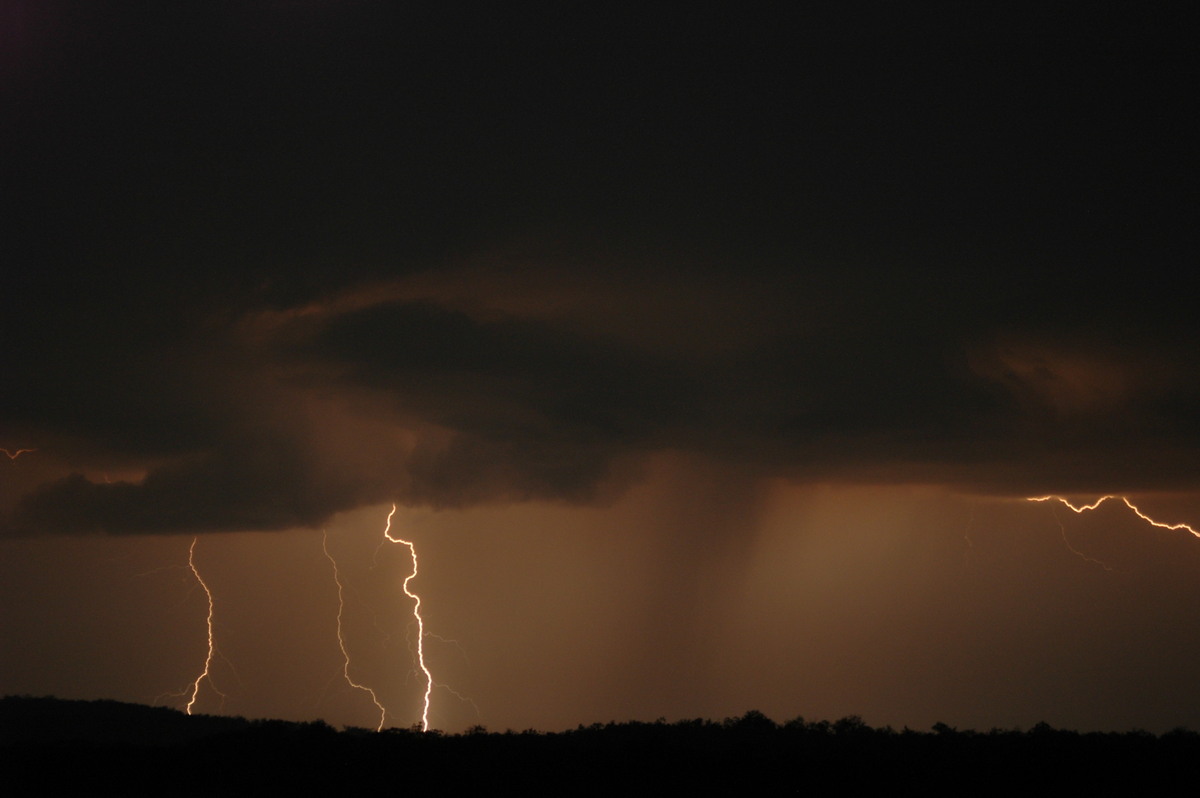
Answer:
(14, 455)
(1082, 508)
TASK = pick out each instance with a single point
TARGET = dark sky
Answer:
(700, 309)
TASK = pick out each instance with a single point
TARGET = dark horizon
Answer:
(118, 745)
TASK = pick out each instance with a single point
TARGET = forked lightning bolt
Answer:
(1082, 508)
(14, 455)
(387, 534)
(206, 674)
(342, 641)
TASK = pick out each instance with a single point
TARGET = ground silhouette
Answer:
(54, 747)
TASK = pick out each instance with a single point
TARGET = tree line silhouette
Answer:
(52, 746)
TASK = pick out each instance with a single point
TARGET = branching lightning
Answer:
(341, 639)
(1063, 528)
(14, 455)
(1082, 508)
(387, 534)
(206, 674)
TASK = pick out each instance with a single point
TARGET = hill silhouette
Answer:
(52, 747)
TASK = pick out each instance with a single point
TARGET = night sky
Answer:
(709, 355)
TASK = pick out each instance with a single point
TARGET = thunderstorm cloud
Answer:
(263, 270)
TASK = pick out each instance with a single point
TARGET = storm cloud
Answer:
(269, 267)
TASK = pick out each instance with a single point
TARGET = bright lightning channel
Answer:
(14, 455)
(342, 641)
(387, 534)
(206, 674)
(1082, 508)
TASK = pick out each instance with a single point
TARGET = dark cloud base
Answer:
(896, 247)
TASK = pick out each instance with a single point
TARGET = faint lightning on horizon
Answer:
(1082, 508)
(341, 639)
(967, 537)
(387, 534)
(206, 674)
(14, 455)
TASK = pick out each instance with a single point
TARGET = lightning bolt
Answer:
(206, 674)
(341, 639)
(387, 534)
(14, 455)
(1082, 508)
